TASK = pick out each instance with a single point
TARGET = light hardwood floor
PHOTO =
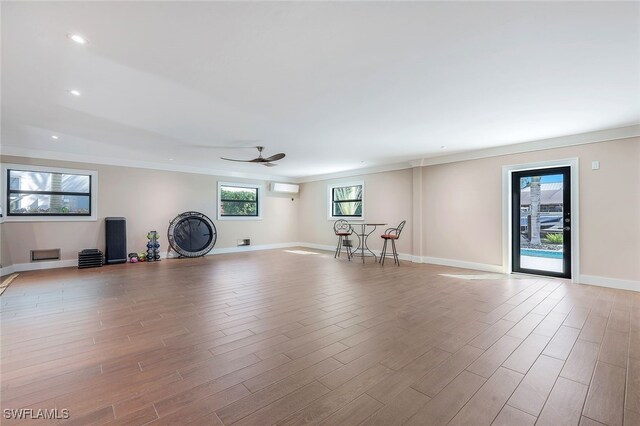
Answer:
(275, 337)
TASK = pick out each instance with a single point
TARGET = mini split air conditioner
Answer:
(286, 188)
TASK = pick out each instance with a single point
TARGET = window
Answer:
(346, 200)
(238, 201)
(42, 193)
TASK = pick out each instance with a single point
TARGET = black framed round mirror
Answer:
(192, 234)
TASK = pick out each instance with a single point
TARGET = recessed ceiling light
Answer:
(442, 147)
(75, 92)
(170, 159)
(77, 38)
(55, 137)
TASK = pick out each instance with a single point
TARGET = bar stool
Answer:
(343, 230)
(391, 234)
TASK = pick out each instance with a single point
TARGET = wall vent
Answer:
(42, 255)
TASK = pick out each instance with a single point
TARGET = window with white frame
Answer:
(346, 200)
(34, 193)
(239, 201)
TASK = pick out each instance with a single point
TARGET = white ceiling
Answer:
(337, 86)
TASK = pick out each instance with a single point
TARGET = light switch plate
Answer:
(595, 165)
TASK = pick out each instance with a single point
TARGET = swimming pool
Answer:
(551, 254)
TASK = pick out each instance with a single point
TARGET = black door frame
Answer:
(566, 219)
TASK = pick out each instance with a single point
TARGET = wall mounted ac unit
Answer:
(286, 188)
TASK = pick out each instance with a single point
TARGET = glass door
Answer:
(541, 219)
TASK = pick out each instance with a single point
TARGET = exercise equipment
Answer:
(89, 258)
(192, 234)
(115, 240)
(153, 247)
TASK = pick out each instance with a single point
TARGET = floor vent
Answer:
(41, 255)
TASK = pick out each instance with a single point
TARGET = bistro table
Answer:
(363, 235)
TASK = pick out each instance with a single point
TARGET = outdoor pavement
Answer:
(541, 263)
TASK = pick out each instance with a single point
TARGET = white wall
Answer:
(148, 199)
(453, 211)
(387, 199)
(462, 207)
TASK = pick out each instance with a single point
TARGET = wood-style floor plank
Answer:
(441, 409)
(510, 416)
(397, 411)
(633, 386)
(485, 405)
(273, 337)
(605, 401)
(325, 406)
(434, 381)
(532, 392)
(564, 405)
(527, 353)
(562, 342)
(581, 362)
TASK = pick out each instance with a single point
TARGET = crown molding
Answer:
(356, 172)
(558, 142)
(539, 145)
(92, 159)
(417, 163)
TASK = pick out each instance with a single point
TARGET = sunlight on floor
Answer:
(300, 252)
(485, 277)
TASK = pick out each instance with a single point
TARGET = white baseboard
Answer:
(7, 270)
(583, 279)
(463, 264)
(610, 282)
(36, 266)
(318, 246)
(241, 249)
(402, 256)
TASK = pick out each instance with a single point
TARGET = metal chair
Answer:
(391, 234)
(343, 230)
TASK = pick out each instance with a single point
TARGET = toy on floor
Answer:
(133, 257)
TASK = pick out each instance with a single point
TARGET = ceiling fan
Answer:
(268, 161)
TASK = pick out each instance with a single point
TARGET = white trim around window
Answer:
(330, 188)
(261, 194)
(27, 167)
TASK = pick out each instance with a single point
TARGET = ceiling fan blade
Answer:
(239, 161)
(276, 157)
(260, 160)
